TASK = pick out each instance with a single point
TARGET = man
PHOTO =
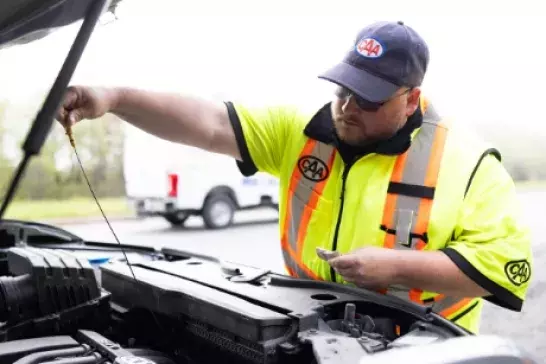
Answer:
(415, 207)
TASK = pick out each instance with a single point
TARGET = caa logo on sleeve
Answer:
(518, 271)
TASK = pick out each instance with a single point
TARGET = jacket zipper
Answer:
(338, 223)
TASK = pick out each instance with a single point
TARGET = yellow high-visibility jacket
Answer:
(437, 188)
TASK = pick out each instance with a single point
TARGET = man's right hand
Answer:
(81, 102)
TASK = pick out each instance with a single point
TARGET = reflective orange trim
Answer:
(298, 262)
(390, 203)
(390, 240)
(420, 245)
(399, 166)
(290, 271)
(421, 225)
(431, 178)
(296, 176)
(436, 156)
(425, 206)
(295, 179)
(415, 295)
(306, 217)
(439, 297)
(456, 307)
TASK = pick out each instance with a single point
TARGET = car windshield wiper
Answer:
(87, 245)
(20, 232)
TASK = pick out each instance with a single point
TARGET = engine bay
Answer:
(177, 307)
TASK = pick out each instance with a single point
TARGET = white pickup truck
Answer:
(176, 181)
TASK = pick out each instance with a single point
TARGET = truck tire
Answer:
(176, 220)
(218, 211)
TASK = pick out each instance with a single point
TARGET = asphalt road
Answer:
(260, 229)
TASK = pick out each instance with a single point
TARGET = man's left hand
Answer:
(377, 268)
(369, 267)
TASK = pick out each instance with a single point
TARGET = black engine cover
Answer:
(49, 291)
(263, 317)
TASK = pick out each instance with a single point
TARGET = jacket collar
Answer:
(321, 128)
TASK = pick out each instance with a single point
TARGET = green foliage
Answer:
(56, 173)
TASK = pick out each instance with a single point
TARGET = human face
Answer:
(357, 126)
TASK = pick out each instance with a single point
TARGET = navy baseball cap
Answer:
(385, 57)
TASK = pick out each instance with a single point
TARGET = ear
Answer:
(413, 100)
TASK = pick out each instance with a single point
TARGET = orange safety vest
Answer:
(410, 193)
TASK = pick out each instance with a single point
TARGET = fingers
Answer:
(70, 98)
(350, 271)
(343, 262)
(326, 254)
(65, 107)
(71, 108)
(346, 266)
(74, 116)
(354, 276)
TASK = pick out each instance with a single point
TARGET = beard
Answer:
(354, 134)
(362, 133)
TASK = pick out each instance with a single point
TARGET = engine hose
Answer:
(36, 358)
(90, 359)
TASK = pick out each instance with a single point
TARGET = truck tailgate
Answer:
(145, 165)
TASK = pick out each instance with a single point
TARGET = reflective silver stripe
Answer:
(294, 267)
(399, 291)
(446, 303)
(310, 171)
(415, 172)
(407, 207)
(442, 304)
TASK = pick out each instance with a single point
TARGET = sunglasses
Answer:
(362, 103)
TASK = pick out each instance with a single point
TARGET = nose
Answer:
(349, 104)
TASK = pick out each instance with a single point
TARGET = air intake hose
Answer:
(18, 298)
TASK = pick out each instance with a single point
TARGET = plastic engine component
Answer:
(249, 315)
(83, 347)
(46, 289)
(11, 351)
(201, 310)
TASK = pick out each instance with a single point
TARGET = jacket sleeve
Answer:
(261, 133)
(492, 243)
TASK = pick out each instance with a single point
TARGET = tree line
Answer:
(56, 173)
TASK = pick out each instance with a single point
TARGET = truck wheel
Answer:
(176, 220)
(218, 211)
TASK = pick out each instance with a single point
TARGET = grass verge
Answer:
(71, 208)
(85, 207)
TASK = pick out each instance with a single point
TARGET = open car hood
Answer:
(24, 21)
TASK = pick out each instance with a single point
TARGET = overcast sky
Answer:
(485, 67)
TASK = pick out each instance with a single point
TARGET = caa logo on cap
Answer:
(369, 48)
